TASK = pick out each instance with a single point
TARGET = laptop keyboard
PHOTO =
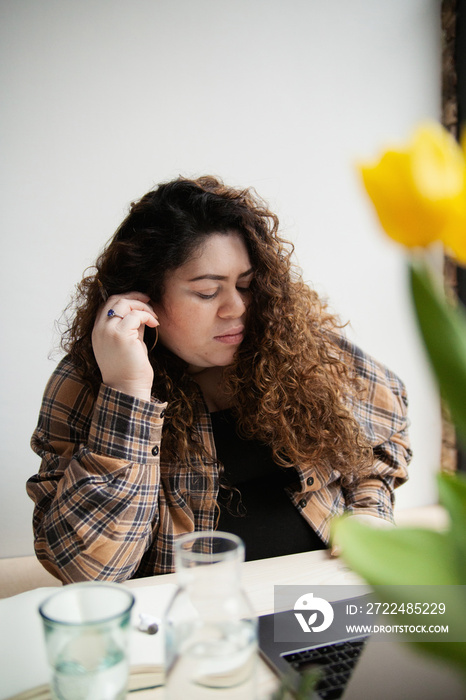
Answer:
(336, 662)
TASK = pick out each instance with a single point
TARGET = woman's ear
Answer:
(151, 336)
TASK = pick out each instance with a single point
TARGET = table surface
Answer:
(258, 579)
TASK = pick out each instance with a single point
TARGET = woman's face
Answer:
(203, 311)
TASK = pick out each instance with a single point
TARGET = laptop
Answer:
(354, 666)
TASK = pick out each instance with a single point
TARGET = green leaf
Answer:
(391, 559)
(301, 689)
(408, 556)
(443, 329)
(452, 493)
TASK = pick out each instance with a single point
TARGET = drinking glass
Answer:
(86, 629)
(210, 627)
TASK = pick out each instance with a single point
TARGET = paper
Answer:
(150, 600)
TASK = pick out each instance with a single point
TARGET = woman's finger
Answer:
(130, 295)
(122, 306)
(136, 318)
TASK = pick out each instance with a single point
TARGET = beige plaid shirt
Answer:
(108, 507)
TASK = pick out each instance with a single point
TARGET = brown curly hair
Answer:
(289, 385)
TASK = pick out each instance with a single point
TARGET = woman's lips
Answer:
(232, 337)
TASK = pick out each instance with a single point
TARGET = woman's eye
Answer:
(207, 296)
(243, 290)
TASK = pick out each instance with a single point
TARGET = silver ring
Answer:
(111, 313)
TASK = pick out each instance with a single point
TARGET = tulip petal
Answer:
(405, 215)
(454, 235)
(419, 193)
(437, 163)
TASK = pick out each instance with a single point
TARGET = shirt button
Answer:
(303, 503)
(162, 413)
(310, 480)
(155, 450)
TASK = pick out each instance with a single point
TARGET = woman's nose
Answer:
(233, 306)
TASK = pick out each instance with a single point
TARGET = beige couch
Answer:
(19, 574)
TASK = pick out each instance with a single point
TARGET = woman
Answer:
(206, 386)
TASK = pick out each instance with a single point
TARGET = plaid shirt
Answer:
(108, 507)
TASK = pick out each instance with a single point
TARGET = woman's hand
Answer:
(119, 347)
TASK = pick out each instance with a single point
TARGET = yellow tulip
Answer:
(419, 193)
(454, 236)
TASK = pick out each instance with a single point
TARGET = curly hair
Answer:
(289, 385)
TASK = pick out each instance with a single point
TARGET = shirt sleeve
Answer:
(382, 413)
(97, 489)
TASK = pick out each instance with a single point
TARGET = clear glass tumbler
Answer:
(210, 627)
(86, 629)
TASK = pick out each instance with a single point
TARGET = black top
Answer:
(258, 509)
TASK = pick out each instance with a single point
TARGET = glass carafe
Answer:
(210, 627)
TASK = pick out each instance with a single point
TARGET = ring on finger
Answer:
(111, 313)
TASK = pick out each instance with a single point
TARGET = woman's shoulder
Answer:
(381, 404)
(367, 367)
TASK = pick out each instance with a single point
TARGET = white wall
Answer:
(102, 99)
